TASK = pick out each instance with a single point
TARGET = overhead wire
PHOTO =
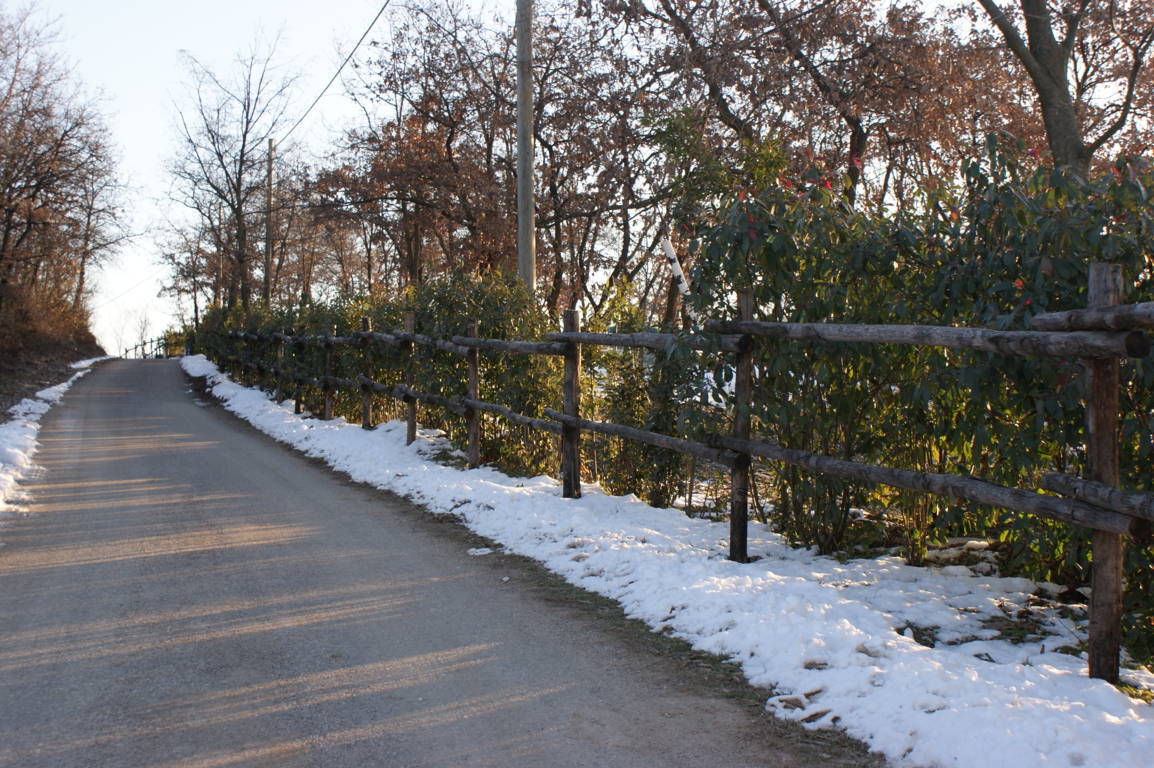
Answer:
(152, 275)
(340, 69)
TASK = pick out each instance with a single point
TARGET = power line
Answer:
(153, 275)
(337, 74)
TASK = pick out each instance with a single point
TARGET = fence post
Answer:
(410, 403)
(367, 370)
(473, 416)
(739, 473)
(571, 404)
(280, 367)
(265, 369)
(1107, 574)
(298, 379)
(326, 382)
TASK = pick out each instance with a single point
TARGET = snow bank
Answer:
(834, 641)
(18, 436)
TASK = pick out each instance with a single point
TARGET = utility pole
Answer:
(266, 294)
(526, 212)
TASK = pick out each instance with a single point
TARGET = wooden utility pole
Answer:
(266, 292)
(526, 212)
(1108, 552)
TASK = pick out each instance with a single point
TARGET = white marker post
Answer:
(678, 276)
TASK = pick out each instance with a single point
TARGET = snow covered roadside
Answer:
(833, 641)
(18, 436)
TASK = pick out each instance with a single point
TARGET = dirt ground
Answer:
(25, 372)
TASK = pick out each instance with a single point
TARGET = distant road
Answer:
(188, 593)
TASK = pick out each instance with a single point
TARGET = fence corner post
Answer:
(367, 372)
(739, 473)
(571, 404)
(1107, 549)
(327, 382)
(472, 415)
(410, 403)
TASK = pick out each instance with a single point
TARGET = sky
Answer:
(129, 53)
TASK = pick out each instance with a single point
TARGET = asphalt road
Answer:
(185, 592)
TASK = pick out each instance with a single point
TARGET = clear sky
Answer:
(129, 53)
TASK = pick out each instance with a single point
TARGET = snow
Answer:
(18, 437)
(834, 642)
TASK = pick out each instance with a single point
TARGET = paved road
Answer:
(186, 592)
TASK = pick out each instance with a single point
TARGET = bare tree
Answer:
(224, 134)
(58, 202)
(1086, 60)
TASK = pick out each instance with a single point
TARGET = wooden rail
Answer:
(658, 341)
(1116, 318)
(947, 486)
(1101, 335)
(1086, 344)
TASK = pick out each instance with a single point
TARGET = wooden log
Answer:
(1133, 503)
(571, 405)
(659, 341)
(1125, 317)
(739, 471)
(456, 406)
(513, 416)
(473, 416)
(1084, 344)
(722, 456)
(515, 347)
(1107, 547)
(410, 402)
(366, 371)
(949, 486)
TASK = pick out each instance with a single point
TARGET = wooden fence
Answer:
(158, 347)
(1101, 335)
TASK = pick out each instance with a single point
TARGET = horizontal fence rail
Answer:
(1119, 318)
(1097, 334)
(1089, 344)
